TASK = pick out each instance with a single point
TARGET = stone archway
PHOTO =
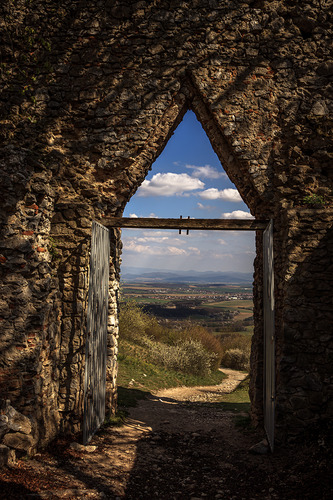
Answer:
(90, 97)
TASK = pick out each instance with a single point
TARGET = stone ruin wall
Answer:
(91, 92)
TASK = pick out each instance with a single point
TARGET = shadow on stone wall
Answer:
(304, 391)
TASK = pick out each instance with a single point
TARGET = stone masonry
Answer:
(90, 94)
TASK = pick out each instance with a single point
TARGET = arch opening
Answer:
(248, 191)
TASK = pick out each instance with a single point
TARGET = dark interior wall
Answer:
(91, 92)
(304, 318)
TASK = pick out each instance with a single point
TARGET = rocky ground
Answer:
(176, 444)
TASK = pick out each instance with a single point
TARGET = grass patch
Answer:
(115, 420)
(238, 400)
(240, 394)
(233, 407)
(128, 398)
(244, 308)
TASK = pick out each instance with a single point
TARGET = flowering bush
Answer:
(236, 359)
(236, 351)
(188, 356)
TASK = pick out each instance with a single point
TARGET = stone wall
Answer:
(305, 318)
(91, 93)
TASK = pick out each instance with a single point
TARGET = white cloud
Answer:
(206, 171)
(194, 250)
(237, 214)
(204, 207)
(135, 247)
(152, 239)
(150, 216)
(224, 256)
(153, 232)
(225, 194)
(169, 184)
(131, 246)
(176, 251)
(222, 242)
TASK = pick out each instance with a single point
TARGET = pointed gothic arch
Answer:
(246, 178)
(239, 172)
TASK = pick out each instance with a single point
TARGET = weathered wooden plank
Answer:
(96, 341)
(192, 224)
(269, 335)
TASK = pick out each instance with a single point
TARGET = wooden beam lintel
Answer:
(190, 224)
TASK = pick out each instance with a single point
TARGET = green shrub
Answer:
(236, 351)
(235, 341)
(234, 326)
(236, 359)
(137, 372)
(206, 339)
(191, 349)
(133, 322)
(188, 356)
(314, 199)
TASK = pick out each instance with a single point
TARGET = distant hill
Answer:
(133, 274)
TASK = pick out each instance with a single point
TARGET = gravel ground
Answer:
(174, 447)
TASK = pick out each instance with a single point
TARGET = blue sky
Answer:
(187, 179)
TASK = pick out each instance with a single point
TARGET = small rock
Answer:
(260, 448)
(83, 448)
(319, 109)
(325, 68)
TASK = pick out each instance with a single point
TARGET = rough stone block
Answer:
(3, 425)
(7, 456)
(19, 441)
(17, 421)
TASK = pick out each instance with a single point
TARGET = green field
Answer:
(244, 308)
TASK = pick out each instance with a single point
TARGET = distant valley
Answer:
(141, 275)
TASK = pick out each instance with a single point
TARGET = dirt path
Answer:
(172, 446)
(206, 393)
